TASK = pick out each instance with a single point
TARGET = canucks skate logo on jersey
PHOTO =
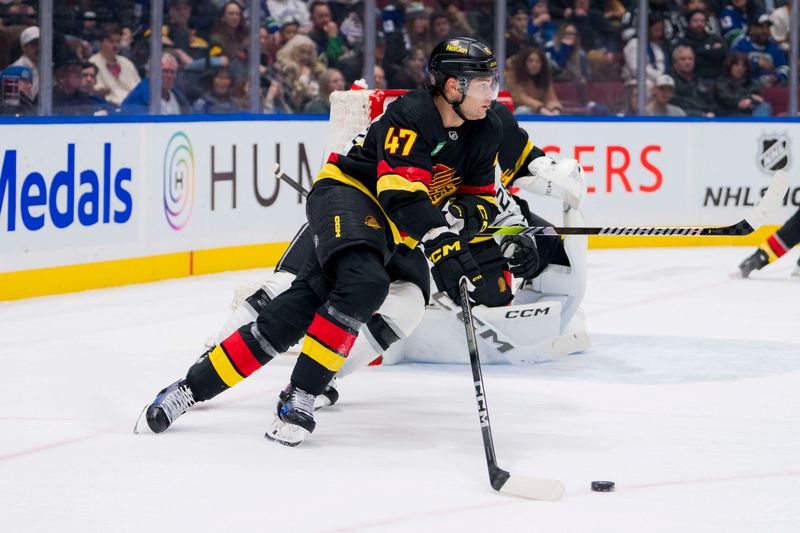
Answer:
(773, 152)
(179, 186)
(443, 183)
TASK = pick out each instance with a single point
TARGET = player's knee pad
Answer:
(362, 282)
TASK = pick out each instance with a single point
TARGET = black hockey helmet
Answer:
(461, 57)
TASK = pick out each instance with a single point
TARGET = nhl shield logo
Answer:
(453, 135)
(773, 152)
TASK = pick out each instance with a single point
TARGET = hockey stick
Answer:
(756, 218)
(279, 174)
(501, 480)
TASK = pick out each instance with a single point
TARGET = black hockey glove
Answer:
(476, 213)
(451, 260)
(522, 254)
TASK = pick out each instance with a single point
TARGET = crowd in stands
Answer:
(704, 57)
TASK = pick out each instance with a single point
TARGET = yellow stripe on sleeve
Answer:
(510, 173)
(395, 182)
(224, 368)
(322, 355)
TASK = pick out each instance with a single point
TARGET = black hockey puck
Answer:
(602, 486)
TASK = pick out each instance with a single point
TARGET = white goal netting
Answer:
(351, 112)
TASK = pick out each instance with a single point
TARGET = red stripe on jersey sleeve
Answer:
(240, 354)
(409, 173)
(331, 335)
(488, 190)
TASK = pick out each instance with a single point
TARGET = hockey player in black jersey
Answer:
(521, 163)
(776, 245)
(368, 210)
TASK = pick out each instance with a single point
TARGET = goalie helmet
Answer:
(462, 58)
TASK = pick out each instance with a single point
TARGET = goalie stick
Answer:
(756, 218)
(501, 480)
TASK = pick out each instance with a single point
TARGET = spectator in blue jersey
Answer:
(173, 102)
(767, 59)
(736, 92)
(541, 25)
(737, 17)
(17, 85)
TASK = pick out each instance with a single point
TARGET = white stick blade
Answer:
(771, 200)
(533, 488)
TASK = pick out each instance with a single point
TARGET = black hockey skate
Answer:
(328, 397)
(294, 417)
(169, 404)
(757, 261)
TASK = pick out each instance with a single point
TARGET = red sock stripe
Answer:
(331, 335)
(776, 245)
(240, 354)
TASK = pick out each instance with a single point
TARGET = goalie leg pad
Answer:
(566, 284)
(396, 319)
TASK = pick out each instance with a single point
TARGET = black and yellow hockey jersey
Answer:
(410, 164)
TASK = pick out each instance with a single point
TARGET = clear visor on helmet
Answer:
(482, 88)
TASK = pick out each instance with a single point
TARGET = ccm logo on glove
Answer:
(439, 253)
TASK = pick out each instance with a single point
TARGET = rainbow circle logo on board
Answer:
(179, 181)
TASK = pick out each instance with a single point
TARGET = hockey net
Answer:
(352, 111)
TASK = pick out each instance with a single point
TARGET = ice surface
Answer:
(689, 400)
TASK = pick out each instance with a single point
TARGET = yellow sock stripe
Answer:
(769, 251)
(224, 368)
(321, 354)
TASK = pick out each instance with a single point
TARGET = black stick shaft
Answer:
(279, 174)
(497, 476)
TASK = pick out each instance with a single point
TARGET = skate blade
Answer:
(142, 427)
(321, 401)
(286, 434)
